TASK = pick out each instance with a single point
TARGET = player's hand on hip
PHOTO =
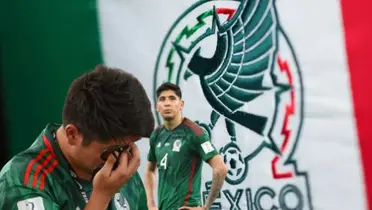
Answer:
(191, 208)
(107, 182)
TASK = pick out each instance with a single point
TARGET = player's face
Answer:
(88, 157)
(91, 155)
(169, 105)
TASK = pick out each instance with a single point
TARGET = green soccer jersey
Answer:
(40, 178)
(179, 154)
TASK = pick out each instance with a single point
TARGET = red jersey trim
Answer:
(192, 175)
(41, 166)
(194, 127)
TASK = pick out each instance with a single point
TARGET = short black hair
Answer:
(169, 86)
(108, 103)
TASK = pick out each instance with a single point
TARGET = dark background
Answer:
(4, 155)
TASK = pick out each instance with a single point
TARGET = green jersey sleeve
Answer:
(151, 154)
(23, 198)
(203, 146)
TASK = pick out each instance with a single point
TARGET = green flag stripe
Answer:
(45, 45)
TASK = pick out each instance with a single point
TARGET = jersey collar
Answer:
(50, 138)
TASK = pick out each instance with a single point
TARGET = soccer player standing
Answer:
(178, 149)
(90, 161)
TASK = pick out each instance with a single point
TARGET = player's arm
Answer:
(209, 154)
(150, 175)
(150, 184)
(219, 174)
(24, 198)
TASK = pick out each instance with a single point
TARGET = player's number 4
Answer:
(163, 161)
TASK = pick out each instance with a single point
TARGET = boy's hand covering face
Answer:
(116, 151)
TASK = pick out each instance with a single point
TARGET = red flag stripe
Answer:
(358, 32)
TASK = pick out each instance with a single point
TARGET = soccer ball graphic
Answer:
(235, 163)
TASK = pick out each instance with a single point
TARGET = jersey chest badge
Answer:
(121, 202)
(177, 145)
(31, 204)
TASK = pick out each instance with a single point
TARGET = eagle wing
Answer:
(249, 41)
